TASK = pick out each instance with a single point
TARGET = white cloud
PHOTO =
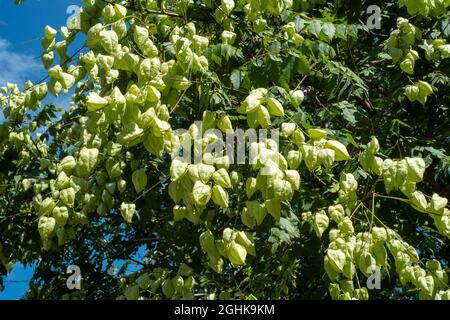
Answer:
(16, 67)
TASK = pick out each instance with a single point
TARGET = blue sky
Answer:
(16, 283)
(21, 28)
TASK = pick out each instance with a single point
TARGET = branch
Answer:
(35, 145)
(150, 11)
(164, 13)
(137, 261)
(366, 105)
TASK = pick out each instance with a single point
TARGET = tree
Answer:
(355, 191)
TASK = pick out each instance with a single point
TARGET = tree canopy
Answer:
(354, 191)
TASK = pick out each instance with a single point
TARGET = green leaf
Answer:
(321, 222)
(329, 30)
(315, 27)
(139, 178)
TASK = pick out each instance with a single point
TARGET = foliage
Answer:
(359, 181)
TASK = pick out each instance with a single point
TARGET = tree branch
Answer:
(150, 11)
